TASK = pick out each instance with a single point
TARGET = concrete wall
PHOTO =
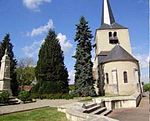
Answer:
(123, 88)
(102, 40)
(118, 102)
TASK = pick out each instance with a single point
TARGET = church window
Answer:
(113, 39)
(110, 34)
(107, 78)
(125, 77)
(114, 76)
(115, 34)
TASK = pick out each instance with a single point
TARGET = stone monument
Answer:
(5, 73)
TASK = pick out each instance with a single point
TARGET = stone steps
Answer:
(90, 105)
(14, 101)
(106, 112)
(92, 109)
(96, 109)
(99, 111)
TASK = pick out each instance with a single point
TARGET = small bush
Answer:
(4, 97)
(25, 96)
(71, 87)
(146, 87)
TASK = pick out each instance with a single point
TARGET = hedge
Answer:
(24, 96)
(4, 97)
(51, 96)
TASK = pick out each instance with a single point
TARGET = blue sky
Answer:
(28, 21)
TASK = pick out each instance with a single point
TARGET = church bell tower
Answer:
(110, 32)
(108, 36)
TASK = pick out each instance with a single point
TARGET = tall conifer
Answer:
(51, 71)
(83, 66)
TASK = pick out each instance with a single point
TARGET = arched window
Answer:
(136, 73)
(113, 38)
(110, 34)
(107, 78)
(125, 76)
(115, 34)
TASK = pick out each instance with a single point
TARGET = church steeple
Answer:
(107, 14)
(108, 20)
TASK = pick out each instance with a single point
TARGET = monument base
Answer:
(5, 85)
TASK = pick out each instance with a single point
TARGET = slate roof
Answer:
(104, 53)
(112, 26)
(117, 54)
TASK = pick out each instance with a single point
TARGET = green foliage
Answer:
(24, 96)
(25, 76)
(52, 96)
(51, 73)
(5, 44)
(83, 66)
(4, 97)
(147, 87)
(71, 87)
(46, 87)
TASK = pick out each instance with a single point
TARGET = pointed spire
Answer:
(107, 15)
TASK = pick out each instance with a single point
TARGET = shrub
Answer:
(52, 96)
(4, 97)
(146, 87)
(24, 96)
(71, 87)
(45, 87)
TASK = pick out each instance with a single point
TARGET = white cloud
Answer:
(65, 44)
(34, 4)
(33, 49)
(144, 60)
(71, 76)
(42, 29)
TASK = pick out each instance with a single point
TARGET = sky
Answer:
(28, 21)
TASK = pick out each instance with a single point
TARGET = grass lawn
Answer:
(42, 114)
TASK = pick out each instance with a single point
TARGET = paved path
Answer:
(133, 114)
(37, 104)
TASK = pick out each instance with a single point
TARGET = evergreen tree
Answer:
(6, 44)
(51, 71)
(83, 77)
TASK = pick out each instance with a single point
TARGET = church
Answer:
(115, 70)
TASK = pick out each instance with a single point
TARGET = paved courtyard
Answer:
(37, 104)
(133, 114)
